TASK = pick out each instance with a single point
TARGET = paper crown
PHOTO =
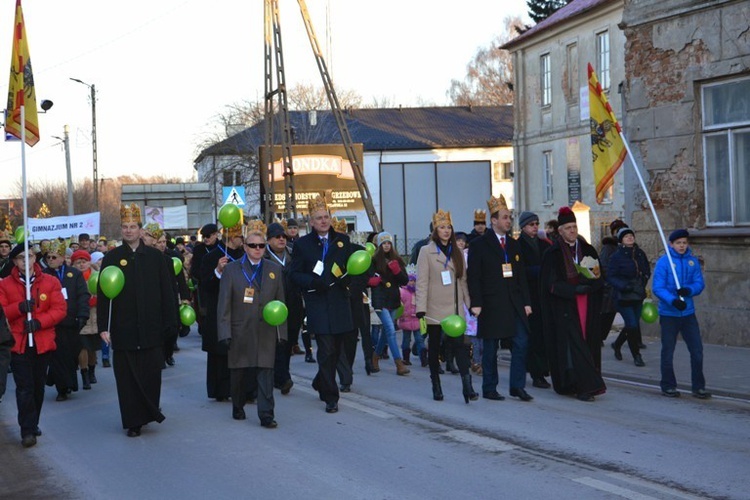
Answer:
(256, 226)
(320, 202)
(44, 246)
(411, 271)
(480, 215)
(5, 236)
(497, 204)
(339, 225)
(154, 230)
(234, 231)
(284, 224)
(441, 218)
(58, 247)
(130, 213)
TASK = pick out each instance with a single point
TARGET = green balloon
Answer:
(111, 281)
(370, 247)
(358, 263)
(20, 234)
(93, 282)
(187, 315)
(191, 285)
(177, 263)
(399, 312)
(649, 313)
(275, 313)
(229, 215)
(453, 325)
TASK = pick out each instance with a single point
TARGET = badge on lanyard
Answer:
(507, 271)
(318, 269)
(65, 293)
(249, 294)
(446, 276)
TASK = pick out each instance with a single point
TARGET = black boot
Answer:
(423, 358)
(406, 352)
(85, 379)
(309, 358)
(92, 376)
(450, 366)
(468, 390)
(437, 391)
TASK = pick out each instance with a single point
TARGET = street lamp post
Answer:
(66, 143)
(93, 139)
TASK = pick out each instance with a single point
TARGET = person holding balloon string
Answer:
(135, 312)
(89, 334)
(442, 293)
(245, 327)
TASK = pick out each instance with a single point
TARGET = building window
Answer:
(232, 178)
(546, 80)
(502, 171)
(547, 185)
(602, 58)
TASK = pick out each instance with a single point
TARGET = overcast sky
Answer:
(163, 70)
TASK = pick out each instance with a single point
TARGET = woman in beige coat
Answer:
(442, 291)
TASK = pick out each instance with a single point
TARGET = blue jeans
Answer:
(631, 314)
(490, 377)
(387, 334)
(418, 340)
(375, 331)
(477, 351)
(671, 326)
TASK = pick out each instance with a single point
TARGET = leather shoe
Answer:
(309, 358)
(701, 394)
(586, 397)
(269, 424)
(28, 440)
(332, 407)
(238, 413)
(61, 396)
(521, 394)
(638, 361)
(37, 432)
(670, 393)
(541, 383)
(345, 388)
(134, 432)
(494, 396)
(170, 361)
(286, 387)
(618, 353)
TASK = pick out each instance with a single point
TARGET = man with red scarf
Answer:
(571, 294)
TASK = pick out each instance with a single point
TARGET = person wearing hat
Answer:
(83, 241)
(209, 276)
(89, 334)
(532, 247)
(319, 261)
(292, 232)
(389, 271)
(500, 300)
(609, 307)
(135, 322)
(278, 252)
(628, 272)
(210, 238)
(247, 285)
(677, 313)
(571, 286)
(63, 368)
(480, 225)
(6, 266)
(36, 318)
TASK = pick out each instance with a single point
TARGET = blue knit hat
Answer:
(677, 234)
(383, 237)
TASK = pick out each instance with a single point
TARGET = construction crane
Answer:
(273, 32)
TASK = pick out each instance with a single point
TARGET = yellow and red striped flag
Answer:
(21, 87)
(607, 147)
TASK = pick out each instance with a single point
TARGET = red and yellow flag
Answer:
(21, 87)
(607, 147)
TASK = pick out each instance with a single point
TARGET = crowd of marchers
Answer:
(548, 296)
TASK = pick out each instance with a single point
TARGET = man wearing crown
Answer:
(480, 225)
(318, 268)
(500, 299)
(136, 321)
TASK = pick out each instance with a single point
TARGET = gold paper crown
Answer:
(320, 202)
(44, 246)
(497, 204)
(234, 231)
(441, 218)
(284, 224)
(256, 226)
(58, 246)
(339, 225)
(130, 213)
(154, 230)
(5, 236)
(480, 215)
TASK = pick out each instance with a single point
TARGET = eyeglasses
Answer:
(52, 257)
(255, 245)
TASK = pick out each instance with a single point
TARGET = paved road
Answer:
(390, 440)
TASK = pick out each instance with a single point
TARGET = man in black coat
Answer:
(480, 225)
(500, 299)
(318, 266)
(142, 316)
(532, 249)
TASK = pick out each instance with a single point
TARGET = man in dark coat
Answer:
(532, 249)
(210, 274)
(571, 304)
(480, 225)
(63, 368)
(318, 266)
(6, 266)
(210, 234)
(142, 315)
(500, 299)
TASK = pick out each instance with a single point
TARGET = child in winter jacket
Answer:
(408, 322)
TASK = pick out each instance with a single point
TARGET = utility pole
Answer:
(66, 144)
(93, 140)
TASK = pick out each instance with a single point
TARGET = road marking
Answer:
(654, 486)
(474, 439)
(611, 488)
(351, 404)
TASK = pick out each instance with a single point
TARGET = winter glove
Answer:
(374, 281)
(81, 322)
(583, 289)
(26, 306)
(680, 305)
(684, 292)
(420, 315)
(31, 326)
(394, 267)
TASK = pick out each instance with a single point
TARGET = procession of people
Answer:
(549, 299)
